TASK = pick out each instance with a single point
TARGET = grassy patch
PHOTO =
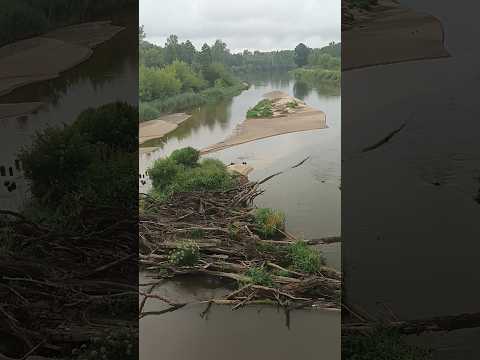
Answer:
(182, 172)
(292, 104)
(196, 233)
(304, 258)
(187, 254)
(269, 222)
(262, 110)
(259, 276)
(381, 344)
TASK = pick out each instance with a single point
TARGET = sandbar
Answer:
(391, 33)
(155, 129)
(302, 118)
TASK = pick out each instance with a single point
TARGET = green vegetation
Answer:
(269, 222)
(304, 258)
(178, 77)
(316, 75)
(187, 156)
(382, 344)
(186, 254)
(180, 173)
(259, 276)
(21, 19)
(74, 165)
(121, 345)
(262, 110)
(292, 104)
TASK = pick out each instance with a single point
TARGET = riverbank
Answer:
(160, 127)
(149, 110)
(299, 118)
(45, 57)
(401, 33)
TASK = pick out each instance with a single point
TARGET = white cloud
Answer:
(243, 24)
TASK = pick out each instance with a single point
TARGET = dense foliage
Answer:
(178, 77)
(262, 110)
(182, 171)
(90, 161)
(20, 19)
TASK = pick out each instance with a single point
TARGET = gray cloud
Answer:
(243, 24)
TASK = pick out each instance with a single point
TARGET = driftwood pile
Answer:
(59, 289)
(228, 247)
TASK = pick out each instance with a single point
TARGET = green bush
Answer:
(163, 172)
(119, 345)
(262, 110)
(304, 258)
(187, 254)
(269, 222)
(382, 344)
(259, 276)
(187, 156)
(147, 112)
(181, 172)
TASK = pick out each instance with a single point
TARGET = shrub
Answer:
(303, 258)
(163, 172)
(384, 344)
(147, 112)
(113, 124)
(187, 156)
(262, 110)
(20, 20)
(187, 254)
(259, 276)
(269, 222)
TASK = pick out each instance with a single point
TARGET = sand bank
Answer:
(390, 34)
(241, 169)
(45, 57)
(158, 128)
(302, 118)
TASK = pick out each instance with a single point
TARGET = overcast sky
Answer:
(243, 24)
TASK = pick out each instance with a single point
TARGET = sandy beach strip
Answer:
(303, 118)
(45, 57)
(392, 34)
(155, 129)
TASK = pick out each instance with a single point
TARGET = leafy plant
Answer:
(120, 344)
(262, 110)
(187, 156)
(259, 276)
(269, 222)
(187, 254)
(382, 344)
(304, 258)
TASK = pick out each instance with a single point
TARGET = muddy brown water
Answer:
(310, 197)
(401, 234)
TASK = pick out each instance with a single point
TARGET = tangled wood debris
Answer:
(221, 226)
(59, 289)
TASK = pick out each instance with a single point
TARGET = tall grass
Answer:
(183, 102)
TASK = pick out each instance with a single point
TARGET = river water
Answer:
(401, 235)
(310, 197)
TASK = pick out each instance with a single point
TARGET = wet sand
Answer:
(401, 33)
(158, 128)
(45, 57)
(302, 118)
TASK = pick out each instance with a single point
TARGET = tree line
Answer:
(21, 19)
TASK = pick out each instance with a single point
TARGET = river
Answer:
(402, 243)
(310, 197)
